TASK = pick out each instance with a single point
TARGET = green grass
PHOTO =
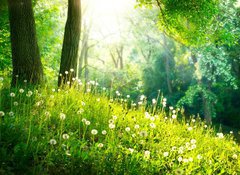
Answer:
(71, 132)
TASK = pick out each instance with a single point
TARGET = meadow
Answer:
(94, 130)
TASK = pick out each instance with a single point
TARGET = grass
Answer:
(67, 131)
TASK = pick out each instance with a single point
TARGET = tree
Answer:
(25, 52)
(69, 57)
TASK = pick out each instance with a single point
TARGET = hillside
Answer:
(67, 131)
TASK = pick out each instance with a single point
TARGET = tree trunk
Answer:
(25, 51)
(71, 41)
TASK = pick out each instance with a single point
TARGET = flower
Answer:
(62, 116)
(114, 117)
(15, 103)
(174, 116)
(87, 123)
(165, 154)
(147, 154)
(152, 125)
(53, 142)
(185, 160)
(21, 90)
(136, 126)
(84, 120)
(174, 111)
(104, 132)
(180, 159)
(190, 159)
(80, 111)
(29, 94)
(193, 141)
(147, 115)
(220, 135)
(131, 150)
(127, 129)
(12, 94)
(128, 96)
(234, 156)
(111, 126)
(98, 99)
(66, 72)
(100, 145)
(2, 113)
(10, 113)
(190, 128)
(170, 107)
(71, 70)
(154, 101)
(199, 157)
(94, 132)
(193, 120)
(164, 99)
(143, 133)
(142, 97)
(65, 136)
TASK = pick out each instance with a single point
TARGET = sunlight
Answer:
(107, 16)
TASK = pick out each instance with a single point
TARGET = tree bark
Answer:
(71, 41)
(25, 51)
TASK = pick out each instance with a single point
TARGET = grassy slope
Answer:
(50, 133)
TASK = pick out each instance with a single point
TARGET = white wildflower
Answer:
(94, 132)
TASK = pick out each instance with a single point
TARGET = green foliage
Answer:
(51, 131)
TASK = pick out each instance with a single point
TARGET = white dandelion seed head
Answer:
(71, 70)
(65, 136)
(94, 132)
(12, 94)
(66, 72)
(104, 132)
(127, 129)
(128, 96)
(100, 145)
(165, 154)
(2, 113)
(53, 142)
(15, 103)
(111, 125)
(62, 116)
(180, 159)
(199, 157)
(174, 116)
(114, 117)
(87, 123)
(170, 107)
(152, 125)
(131, 150)
(193, 141)
(11, 113)
(136, 126)
(234, 156)
(220, 135)
(21, 90)
(154, 101)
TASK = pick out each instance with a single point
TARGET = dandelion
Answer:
(154, 101)
(142, 97)
(53, 142)
(164, 104)
(147, 154)
(66, 72)
(190, 159)
(68, 82)
(10, 113)
(185, 160)
(111, 126)
(174, 116)
(136, 126)
(83, 103)
(71, 70)
(152, 125)
(2, 113)
(180, 159)
(193, 120)
(234, 156)
(147, 115)
(174, 111)
(111, 121)
(199, 157)
(84, 120)
(190, 128)
(164, 99)
(193, 141)
(94, 132)
(193, 146)
(104, 132)
(165, 154)
(80, 111)
(140, 103)
(174, 148)
(62, 116)
(98, 99)
(21, 90)
(1, 78)
(100, 145)
(12, 94)
(143, 133)
(205, 126)
(128, 96)
(15, 103)
(114, 117)
(127, 129)
(131, 150)
(25, 81)
(220, 135)
(231, 132)
(104, 89)
(87, 123)
(152, 118)
(29, 94)
(170, 107)
(65, 136)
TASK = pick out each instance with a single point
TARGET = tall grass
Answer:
(85, 131)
